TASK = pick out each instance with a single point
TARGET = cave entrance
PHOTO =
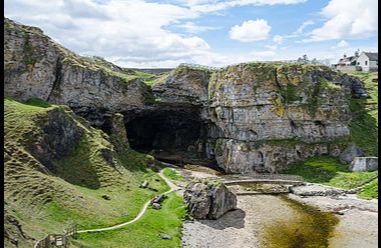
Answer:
(176, 136)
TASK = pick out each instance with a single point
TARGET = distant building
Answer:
(368, 61)
(360, 62)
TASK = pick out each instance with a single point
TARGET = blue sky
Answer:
(148, 33)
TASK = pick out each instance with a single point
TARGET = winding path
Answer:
(173, 188)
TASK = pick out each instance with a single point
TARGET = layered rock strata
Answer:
(246, 117)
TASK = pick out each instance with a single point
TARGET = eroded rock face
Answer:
(58, 137)
(35, 66)
(254, 117)
(184, 86)
(350, 153)
(209, 199)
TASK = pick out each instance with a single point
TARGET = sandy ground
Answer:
(242, 228)
(358, 226)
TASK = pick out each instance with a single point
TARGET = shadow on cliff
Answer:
(234, 218)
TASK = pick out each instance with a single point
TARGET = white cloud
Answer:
(342, 43)
(250, 31)
(213, 6)
(132, 29)
(303, 26)
(191, 27)
(347, 19)
(265, 54)
(278, 39)
(129, 32)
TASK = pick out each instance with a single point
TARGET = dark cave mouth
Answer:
(175, 136)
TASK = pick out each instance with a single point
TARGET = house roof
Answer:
(372, 56)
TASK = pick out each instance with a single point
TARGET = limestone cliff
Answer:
(36, 66)
(246, 117)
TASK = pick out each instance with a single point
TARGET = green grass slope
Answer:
(167, 220)
(44, 200)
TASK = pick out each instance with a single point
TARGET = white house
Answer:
(368, 61)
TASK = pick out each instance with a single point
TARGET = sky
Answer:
(161, 34)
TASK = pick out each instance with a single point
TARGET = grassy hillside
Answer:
(167, 220)
(94, 186)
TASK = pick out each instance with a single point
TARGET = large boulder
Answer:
(364, 164)
(209, 199)
(350, 153)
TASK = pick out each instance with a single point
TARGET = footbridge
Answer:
(279, 179)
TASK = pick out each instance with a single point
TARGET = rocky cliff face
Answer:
(246, 117)
(36, 66)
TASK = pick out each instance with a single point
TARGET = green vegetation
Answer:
(37, 102)
(157, 79)
(364, 124)
(28, 51)
(173, 174)
(329, 171)
(95, 186)
(370, 191)
(311, 228)
(290, 93)
(144, 232)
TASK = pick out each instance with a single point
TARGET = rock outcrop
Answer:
(36, 66)
(350, 153)
(247, 117)
(209, 199)
(57, 138)
(364, 164)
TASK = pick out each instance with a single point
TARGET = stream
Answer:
(281, 221)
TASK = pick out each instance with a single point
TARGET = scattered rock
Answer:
(209, 199)
(156, 206)
(164, 236)
(364, 164)
(350, 153)
(144, 185)
(159, 199)
(106, 197)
